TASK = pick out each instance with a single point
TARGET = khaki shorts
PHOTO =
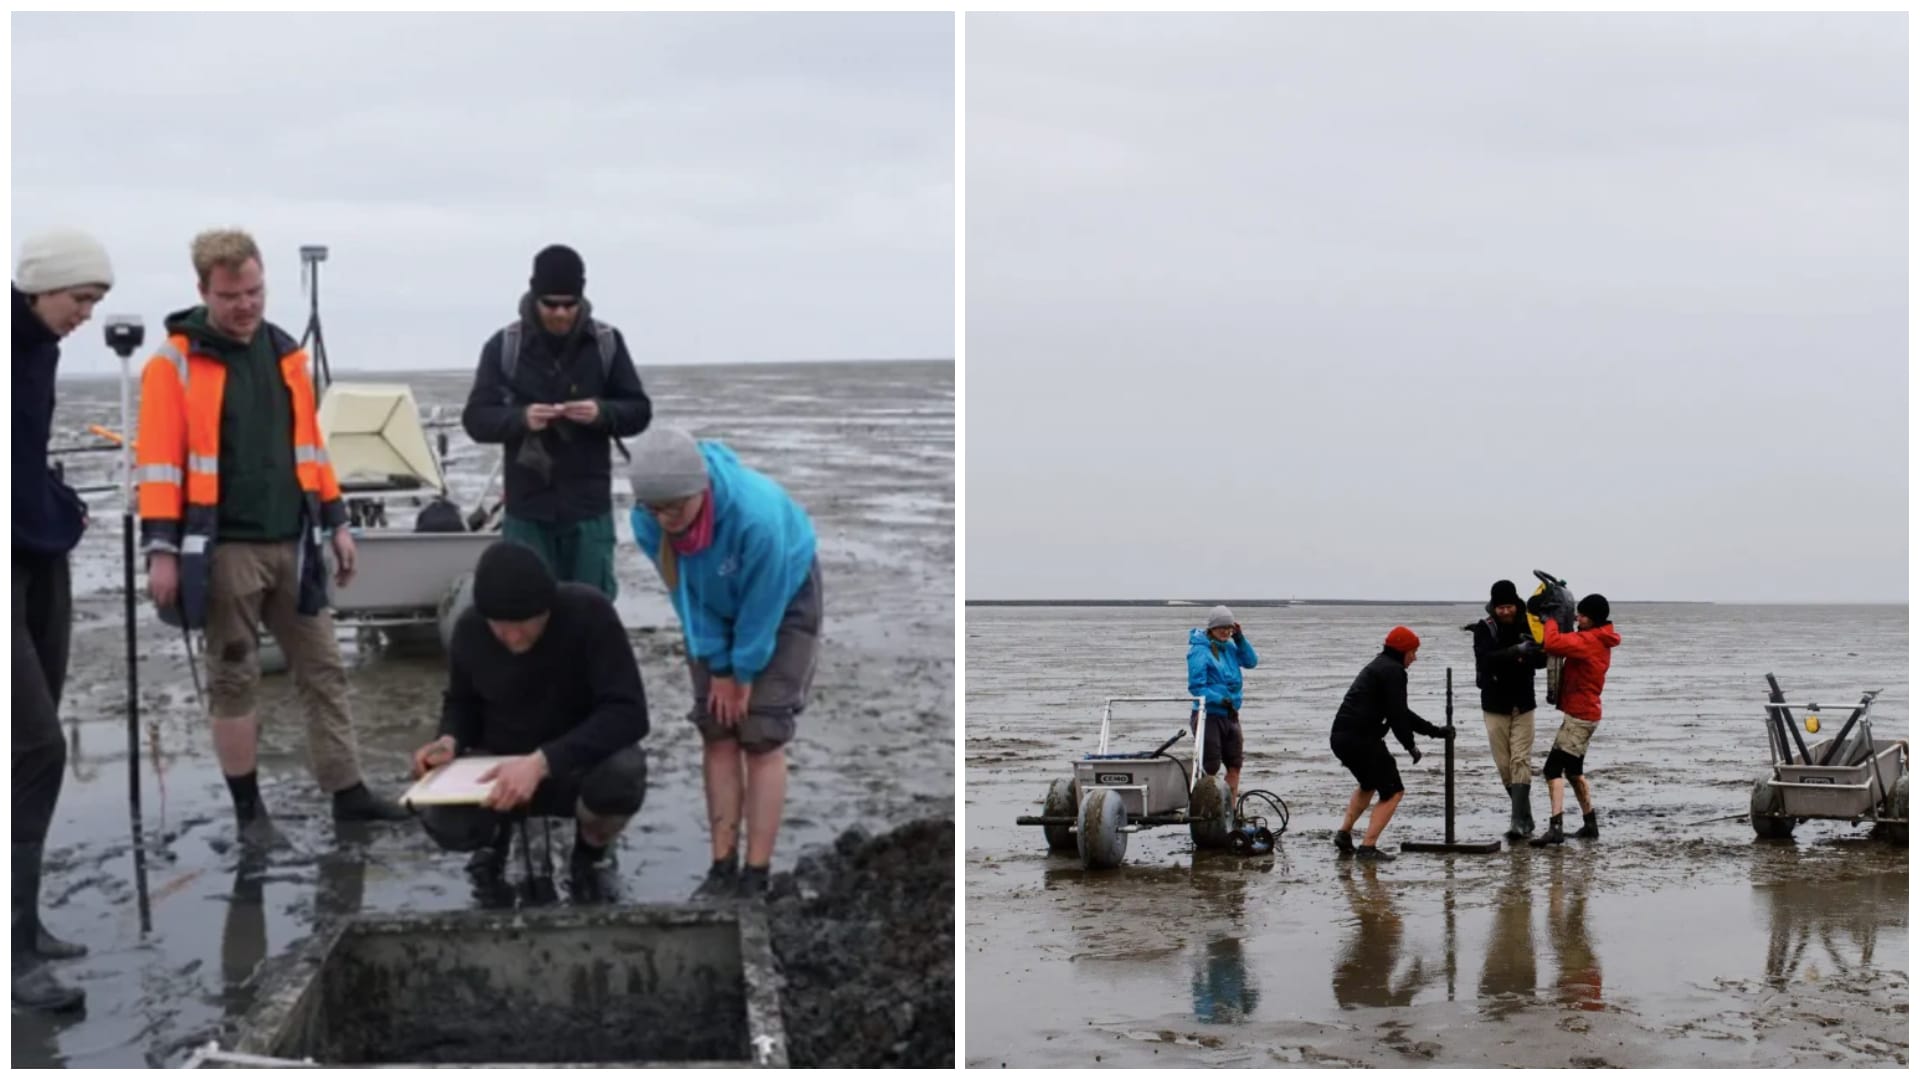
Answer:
(779, 693)
(1574, 736)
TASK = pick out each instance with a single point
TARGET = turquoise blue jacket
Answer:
(732, 595)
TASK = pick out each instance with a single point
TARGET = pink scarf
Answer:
(699, 534)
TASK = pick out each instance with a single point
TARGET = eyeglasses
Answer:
(560, 303)
(668, 509)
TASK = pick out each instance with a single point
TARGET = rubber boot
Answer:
(1518, 828)
(359, 804)
(753, 883)
(34, 985)
(593, 873)
(1526, 807)
(1591, 829)
(1553, 835)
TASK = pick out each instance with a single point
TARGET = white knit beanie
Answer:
(61, 258)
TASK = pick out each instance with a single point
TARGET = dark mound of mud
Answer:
(863, 932)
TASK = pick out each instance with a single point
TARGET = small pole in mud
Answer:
(124, 335)
(1450, 844)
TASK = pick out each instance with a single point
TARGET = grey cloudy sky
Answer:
(743, 188)
(1391, 306)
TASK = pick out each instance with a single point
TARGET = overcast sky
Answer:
(1392, 306)
(743, 188)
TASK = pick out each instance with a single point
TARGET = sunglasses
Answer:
(560, 303)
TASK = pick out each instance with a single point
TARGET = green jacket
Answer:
(260, 494)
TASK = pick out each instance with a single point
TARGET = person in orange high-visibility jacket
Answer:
(236, 495)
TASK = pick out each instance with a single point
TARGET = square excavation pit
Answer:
(663, 985)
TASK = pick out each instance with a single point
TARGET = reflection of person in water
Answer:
(1579, 980)
(1223, 989)
(1363, 975)
(1508, 980)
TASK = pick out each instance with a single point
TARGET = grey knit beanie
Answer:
(667, 465)
(1219, 618)
(61, 258)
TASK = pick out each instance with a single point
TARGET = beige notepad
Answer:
(457, 783)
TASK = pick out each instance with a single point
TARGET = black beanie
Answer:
(558, 271)
(1503, 593)
(511, 583)
(1595, 607)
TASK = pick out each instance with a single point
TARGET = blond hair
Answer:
(229, 248)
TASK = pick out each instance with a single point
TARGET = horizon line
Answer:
(1368, 602)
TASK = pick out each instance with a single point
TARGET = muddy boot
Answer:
(358, 804)
(1369, 853)
(1590, 830)
(488, 866)
(259, 835)
(1520, 824)
(592, 873)
(29, 933)
(1553, 835)
(34, 985)
(1344, 841)
(723, 880)
(753, 883)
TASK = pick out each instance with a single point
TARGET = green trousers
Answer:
(579, 551)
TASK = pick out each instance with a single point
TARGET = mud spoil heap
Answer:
(863, 933)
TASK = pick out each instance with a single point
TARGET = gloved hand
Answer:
(1537, 605)
(1417, 755)
(1447, 732)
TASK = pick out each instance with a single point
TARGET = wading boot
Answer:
(1344, 841)
(34, 985)
(592, 872)
(1591, 829)
(723, 880)
(1520, 823)
(358, 804)
(1553, 835)
(26, 860)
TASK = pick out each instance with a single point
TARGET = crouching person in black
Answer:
(542, 673)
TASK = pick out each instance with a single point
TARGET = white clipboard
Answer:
(457, 783)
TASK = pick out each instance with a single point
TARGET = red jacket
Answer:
(1588, 654)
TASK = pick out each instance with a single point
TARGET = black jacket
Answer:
(1377, 703)
(48, 517)
(1504, 660)
(576, 483)
(575, 695)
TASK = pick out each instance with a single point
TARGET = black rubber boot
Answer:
(260, 835)
(26, 861)
(1518, 828)
(1369, 853)
(723, 880)
(1591, 829)
(489, 864)
(593, 873)
(1553, 834)
(34, 985)
(359, 804)
(1526, 807)
(1344, 841)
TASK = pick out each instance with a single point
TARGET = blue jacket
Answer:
(47, 516)
(1215, 672)
(733, 595)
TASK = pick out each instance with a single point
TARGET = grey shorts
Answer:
(780, 692)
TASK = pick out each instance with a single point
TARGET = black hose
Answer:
(1274, 803)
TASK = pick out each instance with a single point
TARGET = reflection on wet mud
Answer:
(1224, 991)
(1364, 972)
(1508, 979)
(1579, 980)
(1811, 922)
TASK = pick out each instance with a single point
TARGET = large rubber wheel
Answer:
(1102, 841)
(1209, 818)
(458, 599)
(1768, 821)
(1061, 802)
(1896, 833)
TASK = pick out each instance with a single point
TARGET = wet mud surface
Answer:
(863, 933)
(867, 448)
(1676, 939)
